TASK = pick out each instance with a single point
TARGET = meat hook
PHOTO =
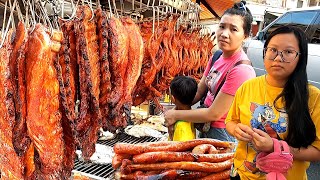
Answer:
(8, 24)
(12, 9)
(115, 8)
(20, 15)
(111, 14)
(74, 10)
(32, 16)
(46, 18)
(4, 19)
(98, 3)
(121, 8)
(153, 18)
(92, 11)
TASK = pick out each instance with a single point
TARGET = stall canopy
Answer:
(214, 8)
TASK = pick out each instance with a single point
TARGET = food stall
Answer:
(75, 76)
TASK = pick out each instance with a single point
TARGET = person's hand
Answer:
(262, 141)
(243, 132)
(169, 117)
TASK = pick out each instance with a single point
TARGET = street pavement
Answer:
(314, 171)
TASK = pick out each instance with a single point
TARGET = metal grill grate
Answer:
(97, 171)
(124, 138)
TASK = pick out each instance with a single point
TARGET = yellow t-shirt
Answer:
(184, 131)
(253, 106)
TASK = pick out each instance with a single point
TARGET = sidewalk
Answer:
(314, 171)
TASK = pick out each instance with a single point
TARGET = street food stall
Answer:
(78, 77)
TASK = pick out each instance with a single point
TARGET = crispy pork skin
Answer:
(11, 166)
(43, 115)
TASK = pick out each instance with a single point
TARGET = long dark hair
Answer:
(241, 10)
(301, 129)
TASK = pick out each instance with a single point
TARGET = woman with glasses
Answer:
(280, 105)
(223, 78)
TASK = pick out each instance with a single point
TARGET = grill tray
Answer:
(98, 171)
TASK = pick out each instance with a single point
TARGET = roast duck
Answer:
(58, 88)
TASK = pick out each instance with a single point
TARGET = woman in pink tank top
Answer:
(223, 78)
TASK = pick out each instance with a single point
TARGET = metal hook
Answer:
(46, 18)
(20, 15)
(33, 17)
(4, 20)
(115, 8)
(90, 6)
(121, 8)
(62, 8)
(153, 18)
(158, 16)
(111, 14)
(98, 3)
(74, 11)
(8, 24)
(12, 9)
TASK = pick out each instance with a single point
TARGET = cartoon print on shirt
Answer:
(263, 118)
(281, 125)
(212, 79)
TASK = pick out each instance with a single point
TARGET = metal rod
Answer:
(8, 24)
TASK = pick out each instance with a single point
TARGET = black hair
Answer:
(240, 9)
(184, 89)
(301, 129)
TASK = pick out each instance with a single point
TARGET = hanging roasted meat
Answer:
(66, 68)
(11, 165)
(153, 55)
(69, 69)
(43, 116)
(171, 65)
(119, 46)
(21, 139)
(89, 119)
(105, 81)
(118, 60)
(135, 57)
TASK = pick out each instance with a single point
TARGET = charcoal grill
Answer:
(98, 171)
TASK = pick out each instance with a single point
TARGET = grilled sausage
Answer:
(126, 148)
(127, 167)
(155, 157)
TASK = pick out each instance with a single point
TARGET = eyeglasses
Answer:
(287, 55)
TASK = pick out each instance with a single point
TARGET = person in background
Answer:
(280, 105)
(182, 91)
(234, 28)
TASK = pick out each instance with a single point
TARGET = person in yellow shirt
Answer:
(182, 91)
(281, 105)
